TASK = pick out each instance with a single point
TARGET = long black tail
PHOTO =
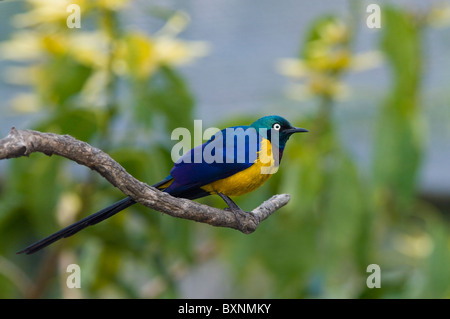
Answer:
(79, 225)
(87, 221)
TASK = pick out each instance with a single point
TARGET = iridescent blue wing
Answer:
(227, 152)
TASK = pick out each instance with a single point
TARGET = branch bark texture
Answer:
(20, 143)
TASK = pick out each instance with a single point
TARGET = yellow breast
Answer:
(249, 179)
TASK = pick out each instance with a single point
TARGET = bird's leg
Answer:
(238, 212)
(231, 204)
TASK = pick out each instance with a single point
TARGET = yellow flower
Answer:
(54, 43)
(439, 15)
(329, 59)
(136, 55)
(172, 51)
(325, 57)
(46, 12)
(89, 48)
(49, 12)
(366, 61)
(133, 53)
(140, 55)
(334, 32)
(327, 86)
(112, 4)
(293, 68)
(23, 46)
(174, 25)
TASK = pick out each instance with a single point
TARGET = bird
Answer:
(233, 162)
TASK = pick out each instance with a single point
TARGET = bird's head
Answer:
(276, 124)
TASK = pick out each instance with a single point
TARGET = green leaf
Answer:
(165, 94)
(79, 123)
(398, 141)
(61, 78)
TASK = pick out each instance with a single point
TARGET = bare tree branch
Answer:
(24, 142)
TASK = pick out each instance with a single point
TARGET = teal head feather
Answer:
(273, 125)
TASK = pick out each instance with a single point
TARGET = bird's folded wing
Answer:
(227, 152)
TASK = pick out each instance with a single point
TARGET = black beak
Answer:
(295, 130)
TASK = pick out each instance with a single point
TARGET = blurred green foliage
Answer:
(338, 222)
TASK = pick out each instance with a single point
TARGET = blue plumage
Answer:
(218, 158)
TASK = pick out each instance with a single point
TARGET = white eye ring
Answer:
(276, 126)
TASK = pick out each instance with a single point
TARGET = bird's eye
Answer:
(276, 126)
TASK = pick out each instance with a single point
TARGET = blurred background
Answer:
(370, 183)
